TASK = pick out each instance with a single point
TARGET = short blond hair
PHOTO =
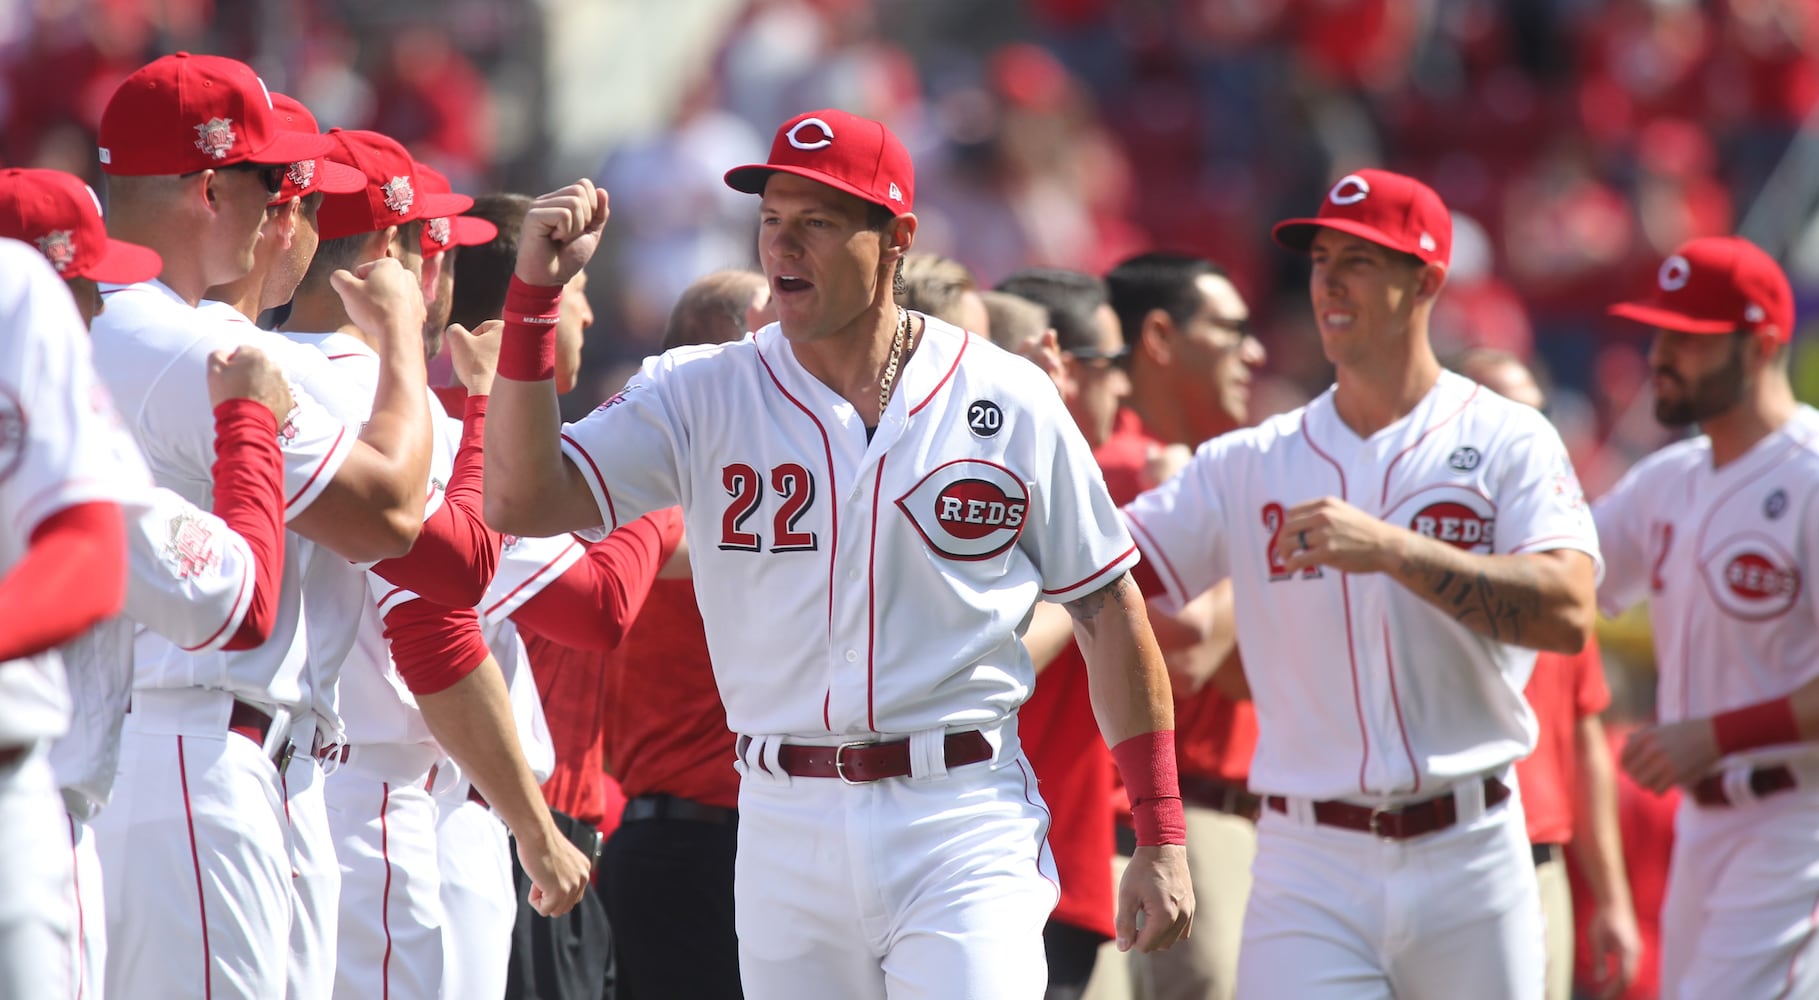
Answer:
(934, 285)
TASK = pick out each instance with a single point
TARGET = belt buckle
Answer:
(840, 760)
(285, 755)
(1377, 814)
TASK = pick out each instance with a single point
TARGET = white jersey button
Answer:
(851, 656)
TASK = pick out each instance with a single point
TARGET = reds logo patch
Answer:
(968, 509)
(301, 173)
(1751, 577)
(12, 432)
(508, 543)
(618, 397)
(190, 549)
(438, 230)
(398, 195)
(216, 137)
(59, 247)
(1455, 514)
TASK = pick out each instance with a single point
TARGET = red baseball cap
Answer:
(450, 231)
(1388, 209)
(61, 216)
(318, 174)
(393, 192)
(185, 113)
(843, 151)
(1717, 284)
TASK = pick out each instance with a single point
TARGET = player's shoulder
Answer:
(1265, 437)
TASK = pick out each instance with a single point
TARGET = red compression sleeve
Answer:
(1764, 724)
(434, 646)
(73, 576)
(249, 497)
(1147, 765)
(593, 603)
(454, 559)
(527, 348)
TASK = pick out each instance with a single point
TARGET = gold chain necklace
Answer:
(898, 343)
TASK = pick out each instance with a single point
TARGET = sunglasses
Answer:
(1107, 359)
(270, 174)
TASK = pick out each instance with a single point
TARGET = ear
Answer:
(205, 186)
(1156, 337)
(1044, 352)
(902, 232)
(389, 241)
(1433, 278)
(286, 218)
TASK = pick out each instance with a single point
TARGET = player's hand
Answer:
(384, 299)
(1616, 946)
(1676, 753)
(475, 354)
(561, 232)
(1331, 532)
(557, 869)
(1155, 900)
(249, 373)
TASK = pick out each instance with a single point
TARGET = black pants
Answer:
(559, 958)
(669, 895)
(1072, 952)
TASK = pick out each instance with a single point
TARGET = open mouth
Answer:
(789, 284)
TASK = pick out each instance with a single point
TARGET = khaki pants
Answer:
(1220, 849)
(1557, 915)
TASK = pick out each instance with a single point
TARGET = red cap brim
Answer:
(289, 147)
(439, 206)
(1667, 319)
(471, 232)
(1298, 235)
(337, 178)
(126, 263)
(752, 177)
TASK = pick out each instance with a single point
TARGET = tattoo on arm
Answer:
(1086, 609)
(1483, 605)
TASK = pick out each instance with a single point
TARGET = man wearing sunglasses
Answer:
(1091, 345)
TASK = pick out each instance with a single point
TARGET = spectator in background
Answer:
(1092, 378)
(944, 289)
(1569, 786)
(721, 306)
(1014, 321)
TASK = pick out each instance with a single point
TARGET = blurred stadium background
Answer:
(1579, 140)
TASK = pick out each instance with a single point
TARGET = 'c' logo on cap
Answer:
(826, 140)
(1350, 190)
(1674, 273)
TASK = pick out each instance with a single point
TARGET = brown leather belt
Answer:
(1416, 819)
(14, 754)
(858, 763)
(1764, 781)
(1222, 796)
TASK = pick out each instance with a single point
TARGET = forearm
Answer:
(399, 428)
(472, 720)
(1597, 837)
(1199, 639)
(1539, 601)
(1050, 632)
(454, 558)
(1125, 672)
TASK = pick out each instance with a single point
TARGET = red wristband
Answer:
(527, 348)
(1763, 724)
(1147, 765)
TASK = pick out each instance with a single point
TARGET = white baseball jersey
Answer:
(1362, 687)
(1721, 555)
(850, 587)
(58, 449)
(151, 349)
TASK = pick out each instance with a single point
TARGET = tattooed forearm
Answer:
(1086, 609)
(1529, 600)
(1502, 610)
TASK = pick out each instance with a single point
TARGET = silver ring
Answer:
(1302, 535)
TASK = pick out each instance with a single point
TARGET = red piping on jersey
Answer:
(385, 900)
(1389, 659)
(1345, 593)
(1812, 922)
(1051, 819)
(1537, 542)
(394, 592)
(950, 374)
(75, 877)
(1486, 497)
(1161, 556)
(341, 435)
(350, 354)
(234, 614)
(871, 603)
(1095, 574)
(1442, 422)
(611, 512)
(833, 515)
(195, 857)
(487, 612)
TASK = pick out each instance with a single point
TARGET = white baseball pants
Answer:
(1338, 914)
(920, 888)
(1739, 921)
(315, 882)
(479, 903)
(37, 922)
(88, 956)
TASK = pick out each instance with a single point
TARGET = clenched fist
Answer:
(561, 232)
(383, 298)
(475, 355)
(249, 373)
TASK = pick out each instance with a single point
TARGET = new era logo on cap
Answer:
(1716, 284)
(61, 216)
(1385, 208)
(185, 113)
(844, 151)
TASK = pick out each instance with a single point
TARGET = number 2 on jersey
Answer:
(745, 486)
(1273, 519)
(1664, 530)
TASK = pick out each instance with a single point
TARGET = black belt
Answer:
(1220, 796)
(1544, 853)
(662, 807)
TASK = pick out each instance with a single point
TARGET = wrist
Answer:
(240, 408)
(1146, 762)
(527, 346)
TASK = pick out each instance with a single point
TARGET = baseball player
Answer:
(877, 499)
(62, 569)
(1569, 784)
(1398, 549)
(1718, 533)
(193, 846)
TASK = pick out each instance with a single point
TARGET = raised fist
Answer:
(475, 354)
(249, 373)
(382, 298)
(561, 232)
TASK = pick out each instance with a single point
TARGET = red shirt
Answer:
(574, 706)
(1647, 823)
(666, 729)
(1563, 689)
